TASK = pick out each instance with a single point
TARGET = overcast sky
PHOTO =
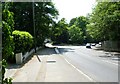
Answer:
(73, 8)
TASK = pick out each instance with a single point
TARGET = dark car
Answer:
(88, 45)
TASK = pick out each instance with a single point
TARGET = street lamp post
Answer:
(34, 26)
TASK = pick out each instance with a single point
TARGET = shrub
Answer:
(7, 28)
(23, 41)
(8, 49)
(5, 80)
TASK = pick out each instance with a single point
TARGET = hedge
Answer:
(7, 43)
(7, 28)
(23, 41)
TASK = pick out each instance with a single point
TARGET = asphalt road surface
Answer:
(96, 64)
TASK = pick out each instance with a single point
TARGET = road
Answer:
(45, 66)
(72, 64)
(96, 64)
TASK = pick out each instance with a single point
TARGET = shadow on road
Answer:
(45, 52)
(98, 49)
(110, 55)
(64, 50)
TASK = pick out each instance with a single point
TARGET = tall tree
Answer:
(80, 22)
(60, 32)
(44, 14)
(72, 21)
(44, 20)
(105, 20)
(75, 35)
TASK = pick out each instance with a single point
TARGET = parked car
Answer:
(98, 45)
(88, 45)
(93, 44)
(48, 45)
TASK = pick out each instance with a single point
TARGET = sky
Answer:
(69, 9)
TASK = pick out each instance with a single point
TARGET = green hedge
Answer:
(7, 28)
(23, 41)
(7, 43)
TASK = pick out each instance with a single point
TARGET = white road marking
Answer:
(110, 62)
(80, 71)
(86, 74)
(57, 51)
(106, 61)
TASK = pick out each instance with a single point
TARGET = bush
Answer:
(5, 80)
(7, 43)
(7, 28)
(23, 41)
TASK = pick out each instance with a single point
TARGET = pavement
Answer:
(46, 65)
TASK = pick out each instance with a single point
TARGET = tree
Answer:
(80, 22)
(75, 34)
(60, 32)
(44, 20)
(45, 13)
(105, 19)
(72, 21)
(91, 34)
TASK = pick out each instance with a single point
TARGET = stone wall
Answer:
(111, 45)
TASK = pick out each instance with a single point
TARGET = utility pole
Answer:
(34, 25)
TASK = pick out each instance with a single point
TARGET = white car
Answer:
(93, 44)
(98, 46)
(48, 45)
(100, 43)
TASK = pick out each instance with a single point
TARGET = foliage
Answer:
(23, 41)
(92, 35)
(44, 15)
(5, 80)
(60, 32)
(105, 20)
(7, 39)
(75, 23)
(72, 21)
(75, 34)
